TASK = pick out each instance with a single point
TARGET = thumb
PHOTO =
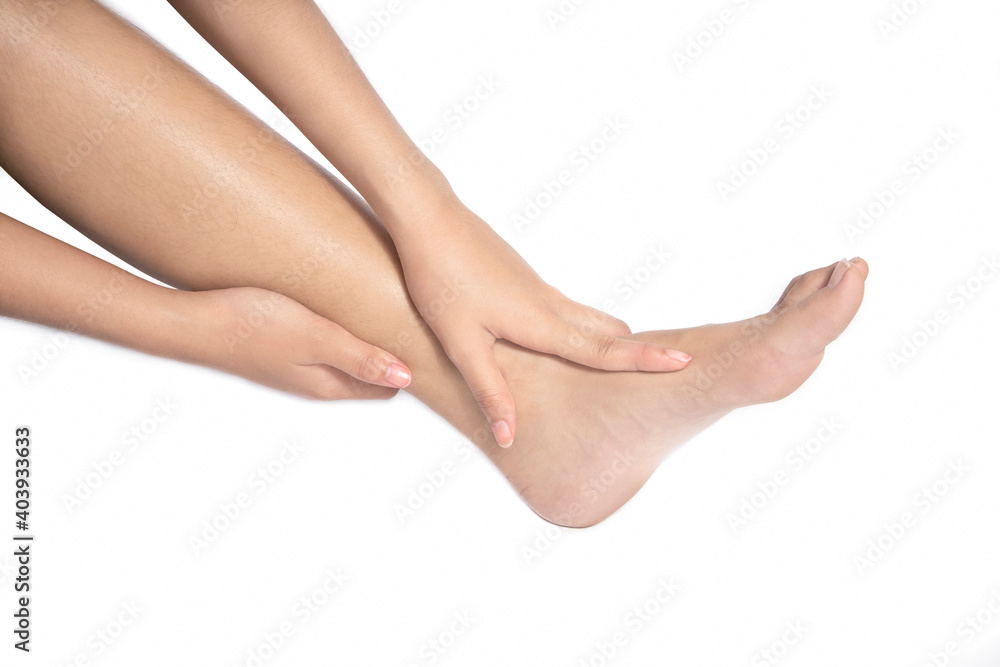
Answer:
(335, 346)
(490, 389)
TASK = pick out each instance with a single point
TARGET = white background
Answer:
(468, 550)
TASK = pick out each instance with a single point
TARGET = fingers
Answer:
(592, 338)
(334, 346)
(597, 350)
(621, 354)
(481, 373)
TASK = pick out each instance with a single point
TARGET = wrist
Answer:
(191, 326)
(139, 315)
(409, 195)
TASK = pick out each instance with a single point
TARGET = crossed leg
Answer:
(144, 156)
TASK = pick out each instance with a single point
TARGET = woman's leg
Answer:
(144, 156)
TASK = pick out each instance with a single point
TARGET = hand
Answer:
(273, 340)
(473, 289)
(469, 285)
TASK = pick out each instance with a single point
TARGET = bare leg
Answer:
(141, 154)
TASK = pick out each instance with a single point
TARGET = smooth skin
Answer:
(588, 439)
(257, 334)
(288, 49)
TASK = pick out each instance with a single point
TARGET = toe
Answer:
(862, 267)
(816, 320)
(805, 285)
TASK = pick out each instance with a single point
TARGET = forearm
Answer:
(46, 281)
(291, 53)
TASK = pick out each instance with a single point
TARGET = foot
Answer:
(588, 440)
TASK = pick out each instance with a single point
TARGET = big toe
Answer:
(862, 267)
(807, 326)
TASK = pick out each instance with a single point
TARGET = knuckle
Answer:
(490, 400)
(603, 347)
(367, 365)
(619, 327)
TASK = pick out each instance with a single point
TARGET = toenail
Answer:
(838, 273)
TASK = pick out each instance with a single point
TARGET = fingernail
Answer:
(679, 356)
(397, 375)
(501, 431)
(838, 273)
